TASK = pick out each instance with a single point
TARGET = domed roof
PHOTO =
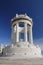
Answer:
(21, 16)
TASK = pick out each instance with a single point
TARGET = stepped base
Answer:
(23, 51)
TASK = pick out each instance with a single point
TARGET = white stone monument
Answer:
(21, 38)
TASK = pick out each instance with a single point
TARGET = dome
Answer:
(21, 17)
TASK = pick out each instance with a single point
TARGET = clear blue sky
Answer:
(9, 8)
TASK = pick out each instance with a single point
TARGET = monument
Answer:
(22, 39)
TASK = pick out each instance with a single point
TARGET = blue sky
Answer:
(9, 8)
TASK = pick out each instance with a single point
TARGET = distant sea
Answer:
(42, 52)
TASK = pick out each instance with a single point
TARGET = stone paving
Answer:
(12, 61)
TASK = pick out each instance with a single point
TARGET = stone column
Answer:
(30, 35)
(17, 32)
(12, 34)
(25, 32)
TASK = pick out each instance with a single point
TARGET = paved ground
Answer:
(12, 61)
